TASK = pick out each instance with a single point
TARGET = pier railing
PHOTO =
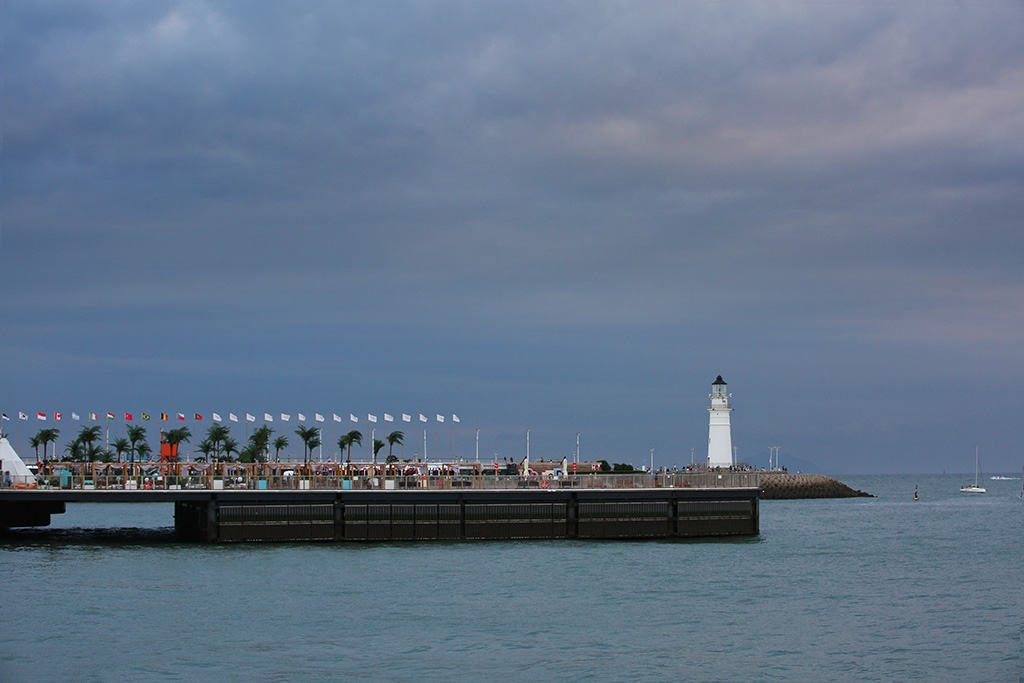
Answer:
(355, 476)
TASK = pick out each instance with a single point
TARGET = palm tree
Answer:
(174, 437)
(308, 436)
(205, 447)
(249, 453)
(88, 436)
(353, 437)
(35, 442)
(280, 443)
(228, 446)
(377, 445)
(48, 436)
(216, 435)
(393, 438)
(75, 451)
(136, 433)
(260, 440)
(121, 446)
(143, 450)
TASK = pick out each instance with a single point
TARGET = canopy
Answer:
(11, 463)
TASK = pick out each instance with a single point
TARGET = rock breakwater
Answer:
(783, 485)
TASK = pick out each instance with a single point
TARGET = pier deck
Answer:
(488, 508)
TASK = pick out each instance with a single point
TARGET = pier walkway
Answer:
(342, 502)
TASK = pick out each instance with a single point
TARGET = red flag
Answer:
(128, 417)
(198, 416)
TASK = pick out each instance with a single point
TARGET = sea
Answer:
(867, 589)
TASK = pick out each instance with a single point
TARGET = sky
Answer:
(566, 218)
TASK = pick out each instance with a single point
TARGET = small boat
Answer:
(1000, 477)
(968, 488)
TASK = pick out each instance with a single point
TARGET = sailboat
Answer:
(967, 488)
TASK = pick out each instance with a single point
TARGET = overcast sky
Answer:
(563, 217)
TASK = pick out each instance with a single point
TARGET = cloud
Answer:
(455, 197)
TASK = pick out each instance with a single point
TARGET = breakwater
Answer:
(783, 485)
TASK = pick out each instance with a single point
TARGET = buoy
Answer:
(543, 484)
(915, 492)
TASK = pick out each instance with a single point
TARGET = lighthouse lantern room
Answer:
(720, 452)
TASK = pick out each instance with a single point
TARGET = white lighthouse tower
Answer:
(719, 431)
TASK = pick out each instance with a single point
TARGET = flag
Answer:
(318, 417)
(75, 416)
(232, 417)
(93, 416)
(145, 416)
(423, 418)
(128, 417)
(22, 416)
(285, 417)
(352, 418)
(440, 418)
(110, 416)
(267, 417)
(371, 418)
(58, 416)
(198, 416)
(337, 418)
(40, 416)
(163, 416)
(216, 417)
(302, 418)
(455, 418)
(181, 416)
(250, 418)
(388, 418)
(406, 418)
(5, 416)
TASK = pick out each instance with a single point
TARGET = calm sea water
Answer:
(882, 589)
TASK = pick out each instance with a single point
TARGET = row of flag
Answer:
(216, 417)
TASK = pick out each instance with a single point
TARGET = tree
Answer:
(48, 436)
(121, 446)
(35, 442)
(144, 451)
(354, 437)
(249, 453)
(216, 435)
(228, 447)
(260, 440)
(88, 436)
(393, 438)
(280, 443)
(75, 451)
(205, 447)
(136, 433)
(309, 435)
(175, 437)
(377, 445)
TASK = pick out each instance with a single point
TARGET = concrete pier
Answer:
(482, 514)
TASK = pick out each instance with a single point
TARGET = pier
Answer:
(233, 503)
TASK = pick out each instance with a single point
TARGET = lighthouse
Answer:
(719, 431)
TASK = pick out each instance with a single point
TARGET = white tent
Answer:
(11, 464)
